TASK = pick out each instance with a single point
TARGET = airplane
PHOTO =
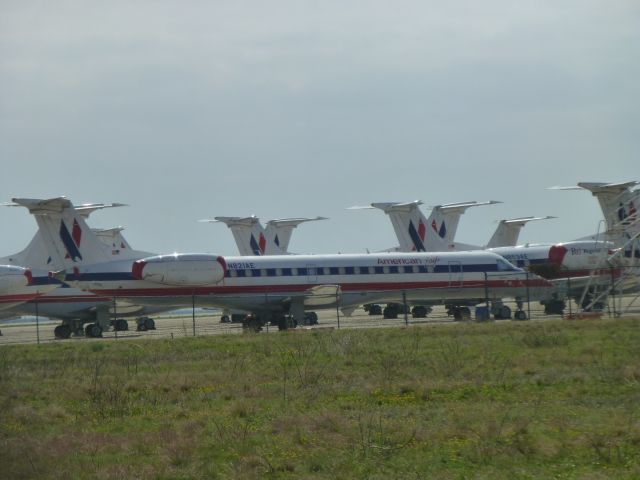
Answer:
(578, 263)
(17, 286)
(274, 286)
(618, 203)
(73, 306)
(252, 239)
(437, 233)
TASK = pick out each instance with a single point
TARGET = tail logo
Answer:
(416, 237)
(627, 216)
(443, 229)
(258, 247)
(71, 241)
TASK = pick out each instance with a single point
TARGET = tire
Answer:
(312, 318)
(390, 311)
(62, 332)
(121, 325)
(466, 313)
(225, 319)
(150, 323)
(419, 311)
(520, 315)
(93, 330)
(505, 312)
(375, 309)
(281, 322)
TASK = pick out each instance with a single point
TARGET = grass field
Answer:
(553, 399)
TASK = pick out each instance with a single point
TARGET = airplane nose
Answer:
(136, 270)
(556, 254)
(29, 275)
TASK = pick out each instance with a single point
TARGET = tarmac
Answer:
(208, 323)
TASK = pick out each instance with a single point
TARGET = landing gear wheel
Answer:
(93, 330)
(121, 325)
(310, 318)
(390, 311)
(419, 311)
(62, 331)
(252, 323)
(146, 323)
(520, 315)
(461, 313)
(503, 313)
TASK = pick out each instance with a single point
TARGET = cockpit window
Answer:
(504, 266)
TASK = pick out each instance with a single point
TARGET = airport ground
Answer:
(207, 322)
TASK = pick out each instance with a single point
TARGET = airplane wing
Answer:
(322, 295)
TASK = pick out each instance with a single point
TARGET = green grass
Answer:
(506, 400)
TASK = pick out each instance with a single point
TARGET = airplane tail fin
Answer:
(619, 203)
(444, 219)
(247, 232)
(278, 233)
(508, 231)
(36, 255)
(65, 234)
(410, 225)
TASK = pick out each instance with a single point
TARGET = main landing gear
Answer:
(145, 323)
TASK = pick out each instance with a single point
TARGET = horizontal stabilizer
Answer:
(234, 221)
(38, 205)
(463, 206)
(88, 208)
(524, 220)
(293, 222)
(390, 206)
(596, 187)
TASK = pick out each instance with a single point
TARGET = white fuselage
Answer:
(321, 281)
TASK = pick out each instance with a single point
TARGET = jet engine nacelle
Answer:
(13, 278)
(181, 269)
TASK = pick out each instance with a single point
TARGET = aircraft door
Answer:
(312, 273)
(455, 274)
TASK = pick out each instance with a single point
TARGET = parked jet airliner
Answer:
(74, 306)
(273, 286)
(17, 286)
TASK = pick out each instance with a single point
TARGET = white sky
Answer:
(188, 110)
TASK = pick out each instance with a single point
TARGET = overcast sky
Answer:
(192, 109)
